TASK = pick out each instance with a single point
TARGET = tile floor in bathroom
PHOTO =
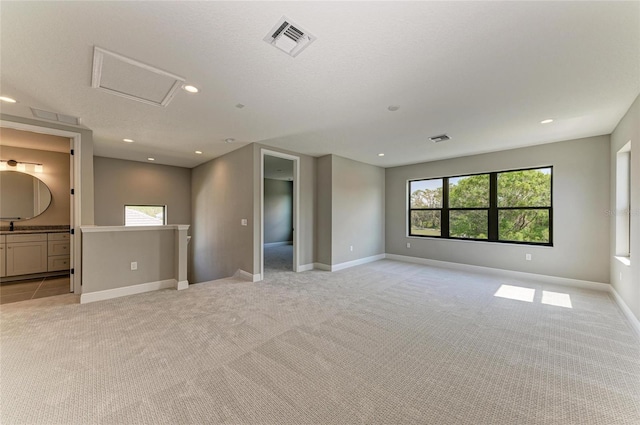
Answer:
(33, 288)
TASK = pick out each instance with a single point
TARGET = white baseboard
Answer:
(365, 260)
(633, 320)
(598, 286)
(322, 266)
(346, 265)
(248, 276)
(305, 267)
(270, 244)
(183, 284)
(108, 294)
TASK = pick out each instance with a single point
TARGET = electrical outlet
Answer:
(528, 257)
(134, 265)
(408, 244)
(351, 248)
(243, 222)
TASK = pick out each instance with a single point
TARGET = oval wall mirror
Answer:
(22, 196)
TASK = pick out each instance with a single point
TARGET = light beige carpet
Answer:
(382, 343)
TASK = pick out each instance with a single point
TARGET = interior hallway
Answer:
(278, 259)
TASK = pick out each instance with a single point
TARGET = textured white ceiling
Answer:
(485, 73)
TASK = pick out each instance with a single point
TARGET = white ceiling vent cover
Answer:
(125, 77)
(289, 37)
(54, 116)
(440, 138)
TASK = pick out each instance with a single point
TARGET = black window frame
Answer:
(492, 211)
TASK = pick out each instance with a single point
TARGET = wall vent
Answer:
(440, 138)
(54, 116)
(131, 79)
(289, 37)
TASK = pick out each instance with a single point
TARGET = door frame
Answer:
(296, 206)
(75, 184)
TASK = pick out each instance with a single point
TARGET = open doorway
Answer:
(35, 215)
(279, 213)
(69, 239)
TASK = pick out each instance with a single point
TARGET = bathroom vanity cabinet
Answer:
(31, 253)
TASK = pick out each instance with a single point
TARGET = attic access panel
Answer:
(131, 79)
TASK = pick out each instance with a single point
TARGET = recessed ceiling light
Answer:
(151, 159)
(229, 140)
(547, 121)
(7, 99)
(393, 108)
(190, 89)
(239, 106)
(199, 152)
(380, 154)
(128, 140)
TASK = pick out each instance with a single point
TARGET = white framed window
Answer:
(145, 215)
(623, 201)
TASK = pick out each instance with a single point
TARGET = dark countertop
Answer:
(21, 230)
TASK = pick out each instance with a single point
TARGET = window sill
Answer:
(624, 260)
(522, 244)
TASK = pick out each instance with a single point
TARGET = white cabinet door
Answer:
(26, 258)
(59, 247)
(59, 263)
(3, 263)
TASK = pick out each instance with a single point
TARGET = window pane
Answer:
(426, 193)
(144, 215)
(469, 224)
(527, 188)
(425, 223)
(469, 191)
(524, 225)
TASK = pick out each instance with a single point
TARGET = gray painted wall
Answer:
(278, 210)
(56, 176)
(221, 195)
(350, 205)
(119, 183)
(358, 192)
(580, 201)
(108, 256)
(323, 216)
(626, 279)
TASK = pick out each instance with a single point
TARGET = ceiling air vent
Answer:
(289, 37)
(440, 138)
(53, 116)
